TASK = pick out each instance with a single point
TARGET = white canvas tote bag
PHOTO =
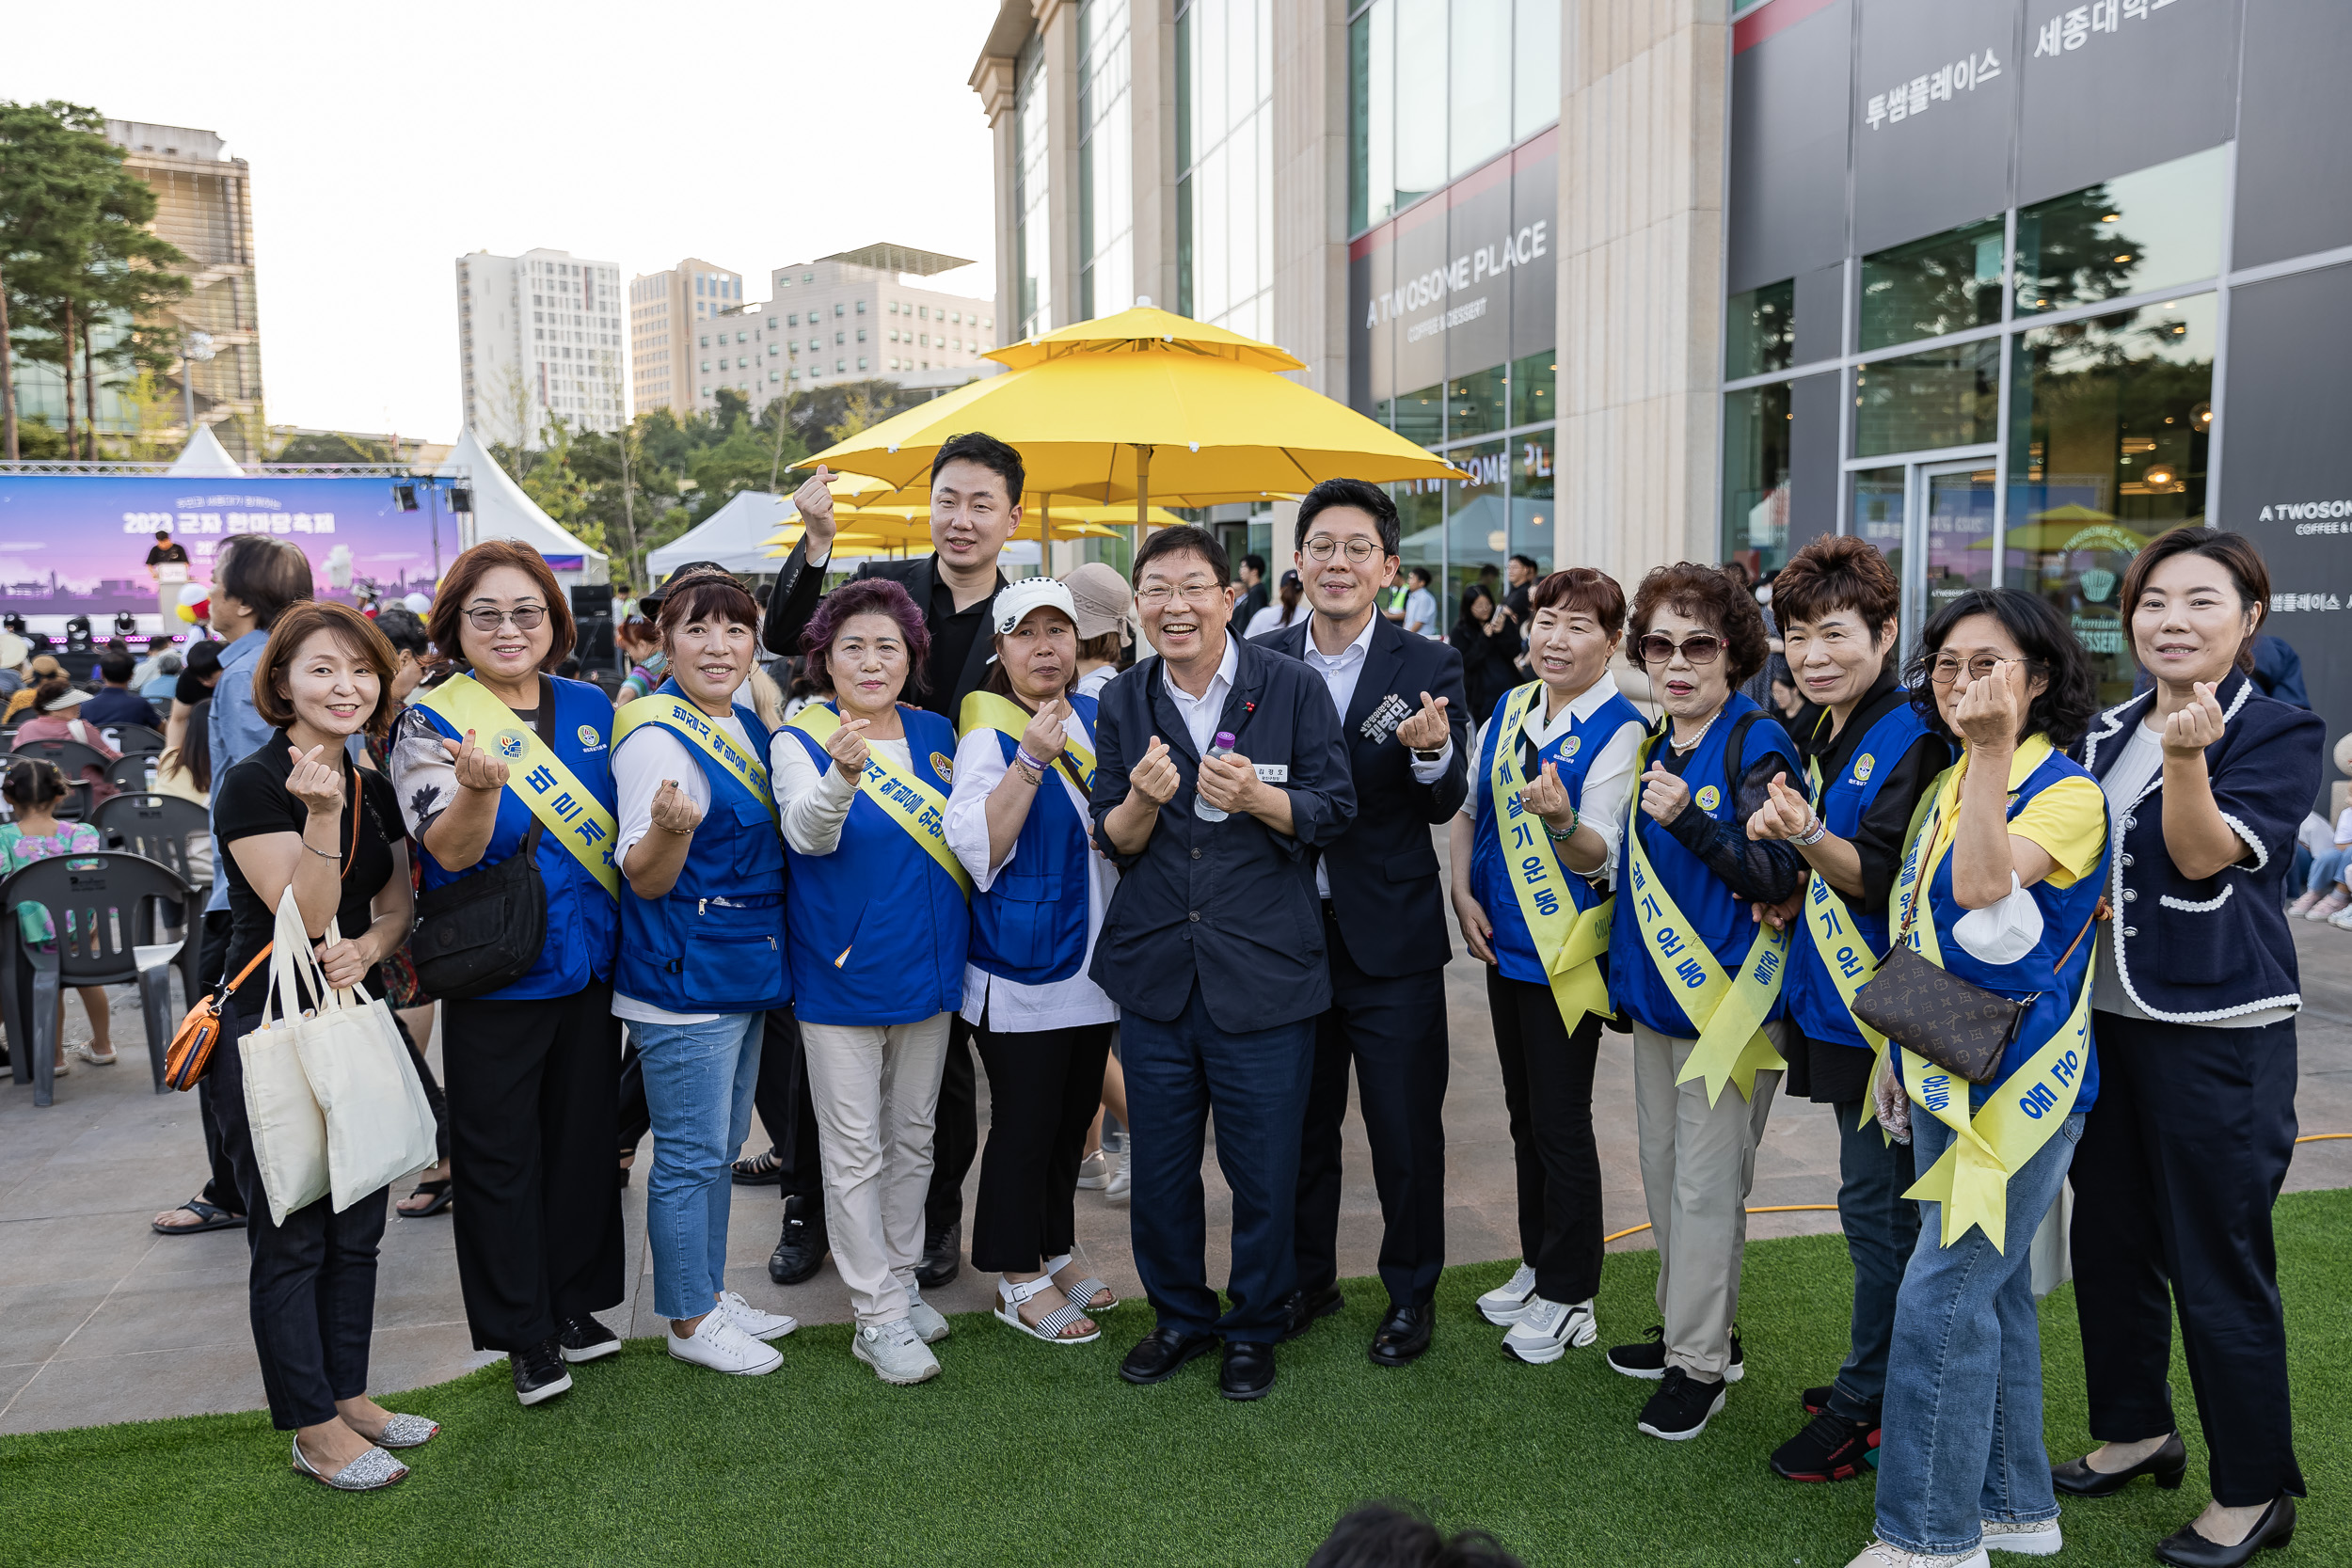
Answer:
(288, 1130)
(380, 1125)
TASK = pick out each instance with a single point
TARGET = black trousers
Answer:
(956, 1140)
(2179, 1164)
(220, 1188)
(1042, 1089)
(533, 1118)
(433, 1095)
(781, 1094)
(1548, 1091)
(311, 1285)
(1392, 1029)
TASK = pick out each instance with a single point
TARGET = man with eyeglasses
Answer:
(1214, 946)
(1401, 707)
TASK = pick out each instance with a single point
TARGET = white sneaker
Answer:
(1877, 1554)
(929, 1326)
(2035, 1538)
(1506, 1304)
(1123, 1173)
(1094, 1171)
(2341, 920)
(718, 1344)
(751, 1320)
(1546, 1328)
(895, 1352)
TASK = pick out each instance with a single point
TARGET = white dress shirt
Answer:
(1608, 783)
(1339, 673)
(1202, 713)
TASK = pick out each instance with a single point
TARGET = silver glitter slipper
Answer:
(371, 1470)
(408, 1431)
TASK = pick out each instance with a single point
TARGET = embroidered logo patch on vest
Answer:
(1710, 798)
(510, 744)
(588, 736)
(942, 766)
(1862, 766)
(1568, 751)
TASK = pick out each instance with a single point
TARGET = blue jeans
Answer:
(1881, 1229)
(698, 1088)
(1962, 1418)
(2326, 870)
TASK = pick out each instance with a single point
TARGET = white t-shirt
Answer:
(651, 756)
(1091, 683)
(1270, 619)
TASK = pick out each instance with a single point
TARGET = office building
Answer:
(859, 315)
(665, 311)
(540, 340)
(2007, 286)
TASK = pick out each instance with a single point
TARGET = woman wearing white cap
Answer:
(1018, 821)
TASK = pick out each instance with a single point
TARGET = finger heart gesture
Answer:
(477, 770)
(317, 784)
(2197, 726)
(1155, 776)
(846, 745)
(673, 810)
(1425, 731)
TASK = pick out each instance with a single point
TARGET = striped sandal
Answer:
(1011, 1297)
(1083, 1295)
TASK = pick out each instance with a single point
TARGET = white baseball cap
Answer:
(1016, 599)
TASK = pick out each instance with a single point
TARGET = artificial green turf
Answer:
(1024, 1455)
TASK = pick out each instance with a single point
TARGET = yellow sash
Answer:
(1732, 1045)
(905, 799)
(564, 805)
(987, 710)
(690, 724)
(1971, 1179)
(1569, 944)
(1838, 943)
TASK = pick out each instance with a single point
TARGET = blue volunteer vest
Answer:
(1719, 915)
(583, 921)
(877, 932)
(1810, 995)
(715, 945)
(1490, 873)
(1030, 926)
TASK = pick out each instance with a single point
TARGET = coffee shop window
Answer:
(1420, 516)
(1477, 525)
(2110, 426)
(1756, 477)
(1420, 416)
(1760, 330)
(2132, 235)
(1476, 405)
(1946, 282)
(1943, 397)
(1532, 531)
(1535, 386)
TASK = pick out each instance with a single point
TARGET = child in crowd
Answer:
(33, 788)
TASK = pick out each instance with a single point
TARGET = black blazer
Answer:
(1233, 903)
(2192, 951)
(792, 601)
(1384, 887)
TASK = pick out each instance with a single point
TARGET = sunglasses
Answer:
(1657, 648)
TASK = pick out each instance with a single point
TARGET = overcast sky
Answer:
(385, 142)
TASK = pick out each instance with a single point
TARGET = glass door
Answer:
(1934, 520)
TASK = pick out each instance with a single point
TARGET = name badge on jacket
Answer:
(1272, 772)
(1385, 719)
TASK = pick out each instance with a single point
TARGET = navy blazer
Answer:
(2192, 951)
(1233, 903)
(1384, 887)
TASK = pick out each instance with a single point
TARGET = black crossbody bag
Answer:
(482, 934)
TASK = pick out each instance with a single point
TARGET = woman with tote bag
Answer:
(298, 822)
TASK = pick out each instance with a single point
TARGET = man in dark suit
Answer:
(977, 486)
(1401, 707)
(1213, 946)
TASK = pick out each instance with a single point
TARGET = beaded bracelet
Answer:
(1559, 837)
(1815, 832)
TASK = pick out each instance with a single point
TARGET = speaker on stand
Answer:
(592, 610)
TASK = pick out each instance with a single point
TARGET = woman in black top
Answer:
(298, 815)
(1487, 639)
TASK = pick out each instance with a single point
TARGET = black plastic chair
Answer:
(161, 827)
(134, 772)
(71, 756)
(107, 899)
(133, 739)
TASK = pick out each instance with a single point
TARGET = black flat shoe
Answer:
(1403, 1335)
(2076, 1479)
(2188, 1549)
(800, 1248)
(1249, 1370)
(943, 1258)
(1300, 1309)
(1162, 1353)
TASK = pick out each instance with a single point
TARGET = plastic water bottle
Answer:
(1221, 745)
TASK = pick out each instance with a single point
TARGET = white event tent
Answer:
(736, 536)
(501, 511)
(204, 457)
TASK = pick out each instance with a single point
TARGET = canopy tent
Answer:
(204, 457)
(734, 536)
(501, 511)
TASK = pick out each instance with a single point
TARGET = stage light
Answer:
(14, 622)
(77, 638)
(125, 623)
(460, 498)
(406, 495)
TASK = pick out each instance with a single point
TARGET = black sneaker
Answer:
(1815, 1399)
(1831, 1448)
(584, 1339)
(1648, 1359)
(539, 1372)
(800, 1248)
(1680, 1407)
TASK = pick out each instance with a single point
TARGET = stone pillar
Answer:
(1644, 85)
(1310, 200)
(993, 78)
(1151, 117)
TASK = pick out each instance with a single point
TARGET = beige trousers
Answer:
(876, 1089)
(1697, 1163)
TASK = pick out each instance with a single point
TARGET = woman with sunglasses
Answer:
(2000, 877)
(499, 760)
(1698, 974)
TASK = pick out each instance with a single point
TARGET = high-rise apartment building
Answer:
(540, 339)
(850, 316)
(664, 309)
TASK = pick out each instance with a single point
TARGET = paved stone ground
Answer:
(100, 1320)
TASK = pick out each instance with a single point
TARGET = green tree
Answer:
(331, 445)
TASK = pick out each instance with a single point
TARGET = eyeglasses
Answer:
(526, 617)
(1322, 547)
(1657, 648)
(1191, 592)
(1946, 670)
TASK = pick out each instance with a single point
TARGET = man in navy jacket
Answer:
(1400, 702)
(1213, 946)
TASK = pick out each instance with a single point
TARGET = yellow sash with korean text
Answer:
(538, 777)
(690, 724)
(1729, 1011)
(1569, 944)
(905, 799)
(985, 710)
(1971, 1179)
(1838, 943)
